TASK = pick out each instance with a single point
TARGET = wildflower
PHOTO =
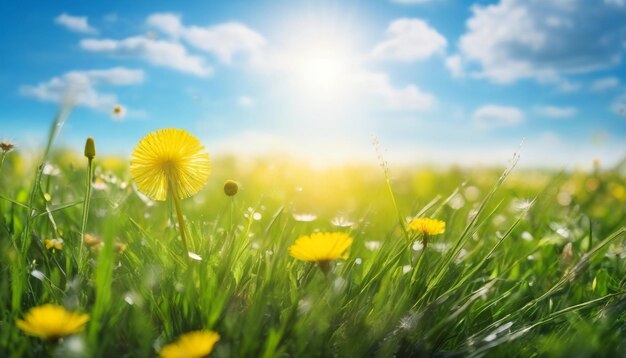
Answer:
(342, 221)
(194, 344)
(57, 244)
(304, 217)
(51, 170)
(6, 146)
(618, 191)
(92, 241)
(321, 248)
(428, 227)
(231, 187)
(169, 160)
(52, 322)
(99, 184)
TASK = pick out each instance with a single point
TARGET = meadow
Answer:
(531, 263)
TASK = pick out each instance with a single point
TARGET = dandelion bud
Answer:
(90, 148)
(230, 187)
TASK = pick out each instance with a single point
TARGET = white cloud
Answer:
(605, 83)
(542, 40)
(157, 52)
(410, 40)
(225, 40)
(245, 101)
(492, 115)
(455, 66)
(556, 112)
(75, 23)
(80, 87)
(407, 98)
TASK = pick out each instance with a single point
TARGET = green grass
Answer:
(497, 282)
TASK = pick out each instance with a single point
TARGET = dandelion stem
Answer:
(180, 217)
(85, 209)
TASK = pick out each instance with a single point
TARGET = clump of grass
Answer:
(529, 263)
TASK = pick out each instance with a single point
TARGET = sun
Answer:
(320, 59)
(322, 68)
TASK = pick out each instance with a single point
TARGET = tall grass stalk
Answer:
(19, 270)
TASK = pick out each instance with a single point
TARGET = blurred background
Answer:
(438, 82)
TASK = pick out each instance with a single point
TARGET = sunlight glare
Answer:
(321, 62)
(321, 69)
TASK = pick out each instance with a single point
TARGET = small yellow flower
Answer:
(321, 247)
(426, 226)
(57, 244)
(52, 322)
(169, 160)
(619, 192)
(91, 240)
(194, 344)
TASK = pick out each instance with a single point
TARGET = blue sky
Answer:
(440, 81)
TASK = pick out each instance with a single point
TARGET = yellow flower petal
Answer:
(426, 226)
(194, 344)
(319, 247)
(169, 160)
(51, 322)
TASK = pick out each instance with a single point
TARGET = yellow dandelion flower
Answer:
(428, 227)
(169, 161)
(321, 247)
(194, 344)
(57, 244)
(52, 322)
